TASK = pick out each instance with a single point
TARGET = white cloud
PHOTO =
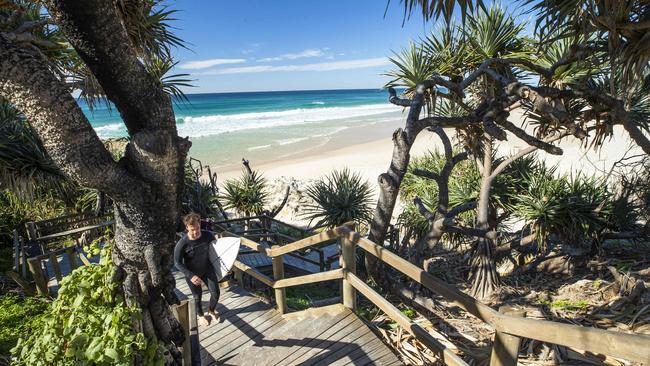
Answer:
(204, 64)
(323, 66)
(312, 52)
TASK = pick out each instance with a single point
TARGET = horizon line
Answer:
(288, 90)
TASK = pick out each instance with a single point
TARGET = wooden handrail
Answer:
(254, 273)
(461, 299)
(297, 228)
(334, 274)
(75, 231)
(444, 353)
(304, 243)
(238, 219)
(248, 243)
(634, 347)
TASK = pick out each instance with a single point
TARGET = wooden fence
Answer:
(510, 326)
(260, 228)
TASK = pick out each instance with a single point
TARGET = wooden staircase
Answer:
(251, 332)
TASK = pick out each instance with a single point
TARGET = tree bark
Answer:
(390, 181)
(146, 185)
(484, 274)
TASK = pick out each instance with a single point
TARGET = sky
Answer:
(262, 45)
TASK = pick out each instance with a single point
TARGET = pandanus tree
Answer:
(116, 51)
(470, 77)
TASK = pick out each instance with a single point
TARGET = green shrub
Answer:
(339, 198)
(247, 194)
(19, 317)
(89, 323)
(573, 208)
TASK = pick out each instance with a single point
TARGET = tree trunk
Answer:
(483, 273)
(390, 181)
(146, 184)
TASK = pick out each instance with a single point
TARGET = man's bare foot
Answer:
(204, 321)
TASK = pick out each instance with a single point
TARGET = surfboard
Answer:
(222, 255)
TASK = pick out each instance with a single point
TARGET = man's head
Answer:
(192, 223)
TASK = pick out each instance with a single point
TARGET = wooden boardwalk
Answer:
(252, 332)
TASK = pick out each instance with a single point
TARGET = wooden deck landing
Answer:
(252, 332)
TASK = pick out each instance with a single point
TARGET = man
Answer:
(191, 258)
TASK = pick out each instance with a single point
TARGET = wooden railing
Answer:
(265, 232)
(510, 326)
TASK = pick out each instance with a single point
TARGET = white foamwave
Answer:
(218, 124)
(318, 102)
(291, 141)
(335, 131)
(111, 130)
(261, 147)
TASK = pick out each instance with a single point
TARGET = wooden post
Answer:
(17, 253)
(23, 263)
(239, 277)
(31, 230)
(278, 274)
(348, 264)
(182, 313)
(505, 349)
(37, 273)
(54, 262)
(72, 258)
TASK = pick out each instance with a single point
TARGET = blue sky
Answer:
(262, 45)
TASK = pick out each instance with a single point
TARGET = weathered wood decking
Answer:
(252, 332)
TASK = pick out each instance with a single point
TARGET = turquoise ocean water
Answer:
(263, 126)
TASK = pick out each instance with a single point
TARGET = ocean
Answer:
(264, 126)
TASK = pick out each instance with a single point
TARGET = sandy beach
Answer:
(369, 153)
(371, 158)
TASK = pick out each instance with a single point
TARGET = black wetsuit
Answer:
(191, 258)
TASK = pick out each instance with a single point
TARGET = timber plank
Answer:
(325, 340)
(342, 345)
(306, 332)
(232, 348)
(252, 332)
(226, 312)
(359, 355)
(277, 343)
(230, 324)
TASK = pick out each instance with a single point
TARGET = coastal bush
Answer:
(247, 195)
(338, 198)
(19, 317)
(464, 186)
(575, 208)
(88, 323)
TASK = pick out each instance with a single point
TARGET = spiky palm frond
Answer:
(573, 208)
(147, 24)
(159, 68)
(24, 164)
(413, 185)
(447, 52)
(411, 218)
(433, 9)
(493, 33)
(248, 194)
(620, 26)
(338, 198)
(573, 74)
(412, 67)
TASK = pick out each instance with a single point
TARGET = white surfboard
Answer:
(222, 254)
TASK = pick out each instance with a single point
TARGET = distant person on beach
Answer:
(191, 258)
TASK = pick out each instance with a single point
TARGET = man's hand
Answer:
(196, 280)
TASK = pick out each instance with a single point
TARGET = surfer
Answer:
(191, 258)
